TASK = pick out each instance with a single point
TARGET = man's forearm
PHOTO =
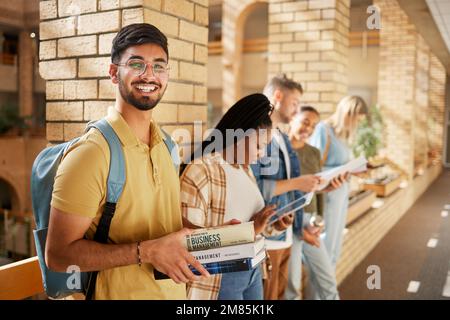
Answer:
(283, 186)
(89, 255)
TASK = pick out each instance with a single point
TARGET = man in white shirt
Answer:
(278, 176)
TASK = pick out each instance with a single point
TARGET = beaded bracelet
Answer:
(139, 253)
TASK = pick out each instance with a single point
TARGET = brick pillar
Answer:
(74, 57)
(404, 89)
(396, 83)
(309, 41)
(436, 114)
(421, 103)
(26, 73)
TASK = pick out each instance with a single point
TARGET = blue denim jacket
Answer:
(272, 167)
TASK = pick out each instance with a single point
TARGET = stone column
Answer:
(75, 46)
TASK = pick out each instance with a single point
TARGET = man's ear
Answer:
(114, 73)
(277, 96)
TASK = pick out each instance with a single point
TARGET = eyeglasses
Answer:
(139, 67)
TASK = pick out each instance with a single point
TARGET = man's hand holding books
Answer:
(219, 249)
(169, 255)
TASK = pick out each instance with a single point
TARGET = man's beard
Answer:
(144, 103)
(284, 118)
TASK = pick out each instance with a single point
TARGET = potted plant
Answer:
(367, 142)
(368, 136)
(382, 180)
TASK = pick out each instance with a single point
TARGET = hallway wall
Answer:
(76, 41)
(309, 41)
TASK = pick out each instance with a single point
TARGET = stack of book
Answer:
(225, 249)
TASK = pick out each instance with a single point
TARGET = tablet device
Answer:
(291, 207)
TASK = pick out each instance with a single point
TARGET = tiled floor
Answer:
(414, 257)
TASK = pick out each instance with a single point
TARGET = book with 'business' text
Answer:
(221, 236)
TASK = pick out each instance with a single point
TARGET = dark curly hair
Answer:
(250, 112)
(136, 34)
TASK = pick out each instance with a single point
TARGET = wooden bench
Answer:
(23, 279)
(20, 280)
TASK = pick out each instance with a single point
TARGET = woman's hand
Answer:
(190, 225)
(337, 182)
(311, 238)
(283, 223)
(231, 222)
(361, 174)
(261, 218)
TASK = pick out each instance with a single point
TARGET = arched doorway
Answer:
(254, 50)
(236, 14)
(237, 61)
(14, 230)
(9, 199)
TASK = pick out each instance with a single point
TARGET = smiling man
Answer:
(146, 230)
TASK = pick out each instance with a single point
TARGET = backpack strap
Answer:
(115, 184)
(116, 176)
(173, 150)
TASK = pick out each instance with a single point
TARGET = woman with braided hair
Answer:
(218, 185)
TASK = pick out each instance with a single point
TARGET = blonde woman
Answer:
(333, 137)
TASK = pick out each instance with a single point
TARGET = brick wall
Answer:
(308, 40)
(411, 86)
(74, 57)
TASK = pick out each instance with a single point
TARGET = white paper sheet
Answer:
(354, 166)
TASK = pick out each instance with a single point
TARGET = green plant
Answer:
(10, 118)
(368, 136)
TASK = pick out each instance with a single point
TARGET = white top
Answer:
(278, 245)
(243, 198)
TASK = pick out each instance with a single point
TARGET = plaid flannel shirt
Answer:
(203, 199)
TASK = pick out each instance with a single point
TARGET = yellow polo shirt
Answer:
(148, 208)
